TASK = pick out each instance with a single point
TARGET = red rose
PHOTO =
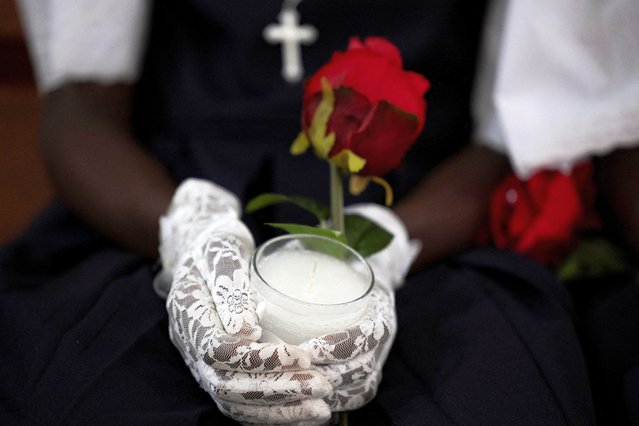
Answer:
(373, 107)
(543, 216)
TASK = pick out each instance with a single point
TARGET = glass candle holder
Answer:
(308, 285)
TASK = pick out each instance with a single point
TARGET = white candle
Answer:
(305, 293)
(312, 277)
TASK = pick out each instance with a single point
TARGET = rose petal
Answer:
(383, 139)
(377, 76)
(351, 109)
(379, 108)
(379, 46)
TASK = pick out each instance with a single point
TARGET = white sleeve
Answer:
(85, 40)
(565, 84)
(488, 129)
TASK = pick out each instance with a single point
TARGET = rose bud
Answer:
(362, 111)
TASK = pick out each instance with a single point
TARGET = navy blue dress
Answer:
(487, 337)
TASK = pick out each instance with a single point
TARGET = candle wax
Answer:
(312, 277)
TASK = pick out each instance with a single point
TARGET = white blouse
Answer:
(82, 40)
(558, 80)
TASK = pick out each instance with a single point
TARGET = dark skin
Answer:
(450, 204)
(102, 175)
(618, 182)
(116, 186)
(98, 170)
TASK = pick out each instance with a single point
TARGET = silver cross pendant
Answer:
(291, 35)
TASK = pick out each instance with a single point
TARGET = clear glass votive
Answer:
(308, 285)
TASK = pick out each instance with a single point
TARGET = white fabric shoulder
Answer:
(562, 82)
(85, 40)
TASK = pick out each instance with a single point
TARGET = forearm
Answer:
(448, 207)
(618, 181)
(97, 168)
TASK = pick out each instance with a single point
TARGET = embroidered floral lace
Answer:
(213, 323)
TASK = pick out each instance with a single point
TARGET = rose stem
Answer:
(337, 217)
(337, 198)
(343, 418)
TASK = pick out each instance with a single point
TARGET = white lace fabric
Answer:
(352, 360)
(214, 325)
(212, 319)
(249, 381)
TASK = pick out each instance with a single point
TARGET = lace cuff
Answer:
(199, 208)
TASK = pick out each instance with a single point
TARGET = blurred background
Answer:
(24, 186)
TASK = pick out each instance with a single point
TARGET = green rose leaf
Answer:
(294, 228)
(319, 210)
(362, 234)
(594, 258)
(365, 236)
(319, 245)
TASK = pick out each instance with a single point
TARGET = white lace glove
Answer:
(212, 318)
(352, 359)
(391, 264)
